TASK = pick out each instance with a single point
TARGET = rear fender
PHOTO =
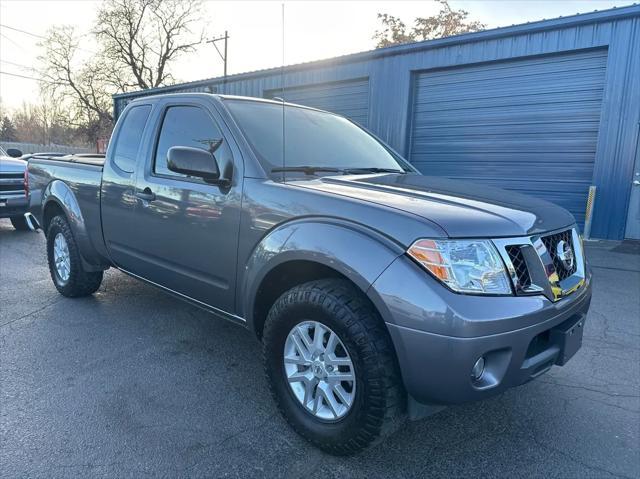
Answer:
(355, 251)
(59, 193)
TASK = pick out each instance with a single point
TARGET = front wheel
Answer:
(331, 366)
(65, 266)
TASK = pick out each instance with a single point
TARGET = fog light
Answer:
(478, 369)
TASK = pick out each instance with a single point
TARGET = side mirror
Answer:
(14, 152)
(193, 162)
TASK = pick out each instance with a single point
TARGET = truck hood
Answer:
(460, 208)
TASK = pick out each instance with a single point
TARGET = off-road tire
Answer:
(380, 402)
(80, 282)
(19, 223)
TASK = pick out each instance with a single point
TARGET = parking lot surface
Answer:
(131, 382)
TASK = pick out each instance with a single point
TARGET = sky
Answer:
(313, 30)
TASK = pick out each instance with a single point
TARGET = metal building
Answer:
(547, 108)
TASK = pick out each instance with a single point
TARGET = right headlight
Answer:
(465, 266)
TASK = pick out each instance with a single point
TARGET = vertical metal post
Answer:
(589, 213)
(284, 149)
(226, 38)
(222, 56)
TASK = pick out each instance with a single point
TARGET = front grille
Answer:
(520, 265)
(11, 185)
(551, 243)
(542, 265)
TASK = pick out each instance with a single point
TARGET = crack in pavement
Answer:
(230, 437)
(47, 305)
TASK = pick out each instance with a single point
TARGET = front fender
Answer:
(58, 192)
(355, 251)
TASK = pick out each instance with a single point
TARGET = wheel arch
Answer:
(59, 199)
(51, 209)
(308, 250)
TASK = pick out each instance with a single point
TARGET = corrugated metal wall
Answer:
(529, 125)
(348, 98)
(391, 74)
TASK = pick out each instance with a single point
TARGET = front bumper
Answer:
(439, 335)
(13, 206)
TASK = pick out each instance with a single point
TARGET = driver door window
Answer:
(189, 126)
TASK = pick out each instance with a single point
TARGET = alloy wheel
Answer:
(319, 370)
(61, 257)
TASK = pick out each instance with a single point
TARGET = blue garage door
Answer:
(529, 125)
(347, 98)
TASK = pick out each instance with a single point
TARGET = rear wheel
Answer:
(65, 265)
(19, 223)
(331, 366)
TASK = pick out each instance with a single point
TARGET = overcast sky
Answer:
(313, 30)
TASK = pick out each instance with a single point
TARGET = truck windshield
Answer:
(315, 141)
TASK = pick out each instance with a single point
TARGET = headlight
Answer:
(465, 266)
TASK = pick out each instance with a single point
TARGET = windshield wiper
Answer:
(307, 170)
(311, 170)
(372, 170)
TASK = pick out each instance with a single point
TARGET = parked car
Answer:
(14, 194)
(14, 189)
(376, 292)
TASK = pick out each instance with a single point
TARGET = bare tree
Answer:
(445, 23)
(80, 83)
(137, 41)
(141, 38)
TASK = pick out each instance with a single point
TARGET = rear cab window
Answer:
(130, 137)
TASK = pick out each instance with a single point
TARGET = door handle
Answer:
(146, 194)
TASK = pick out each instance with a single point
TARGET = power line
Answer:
(39, 36)
(16, 64)
(34, 34)
(30, 78)
(22, 31)
(12, 41)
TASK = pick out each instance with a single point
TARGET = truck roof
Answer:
(220, 97)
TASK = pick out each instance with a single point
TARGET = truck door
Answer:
(187, 230)
(117, 198)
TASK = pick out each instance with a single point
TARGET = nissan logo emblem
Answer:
(565, 254)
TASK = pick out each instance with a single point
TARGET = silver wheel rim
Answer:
(319, 370)
(61, 257)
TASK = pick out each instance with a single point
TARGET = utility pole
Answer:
(222, 56)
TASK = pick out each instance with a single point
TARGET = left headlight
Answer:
(465, 266)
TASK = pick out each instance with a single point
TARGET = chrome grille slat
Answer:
(11, 185)
(519, 265)
(535, 268)
(551, 243)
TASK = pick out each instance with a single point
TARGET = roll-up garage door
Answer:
(347, 98)
(529, 125)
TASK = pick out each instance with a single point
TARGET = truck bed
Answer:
(81, 177)
(95, 159)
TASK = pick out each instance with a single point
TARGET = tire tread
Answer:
(366, 328)
(81, 282)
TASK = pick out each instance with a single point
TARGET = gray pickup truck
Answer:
(377, 292)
